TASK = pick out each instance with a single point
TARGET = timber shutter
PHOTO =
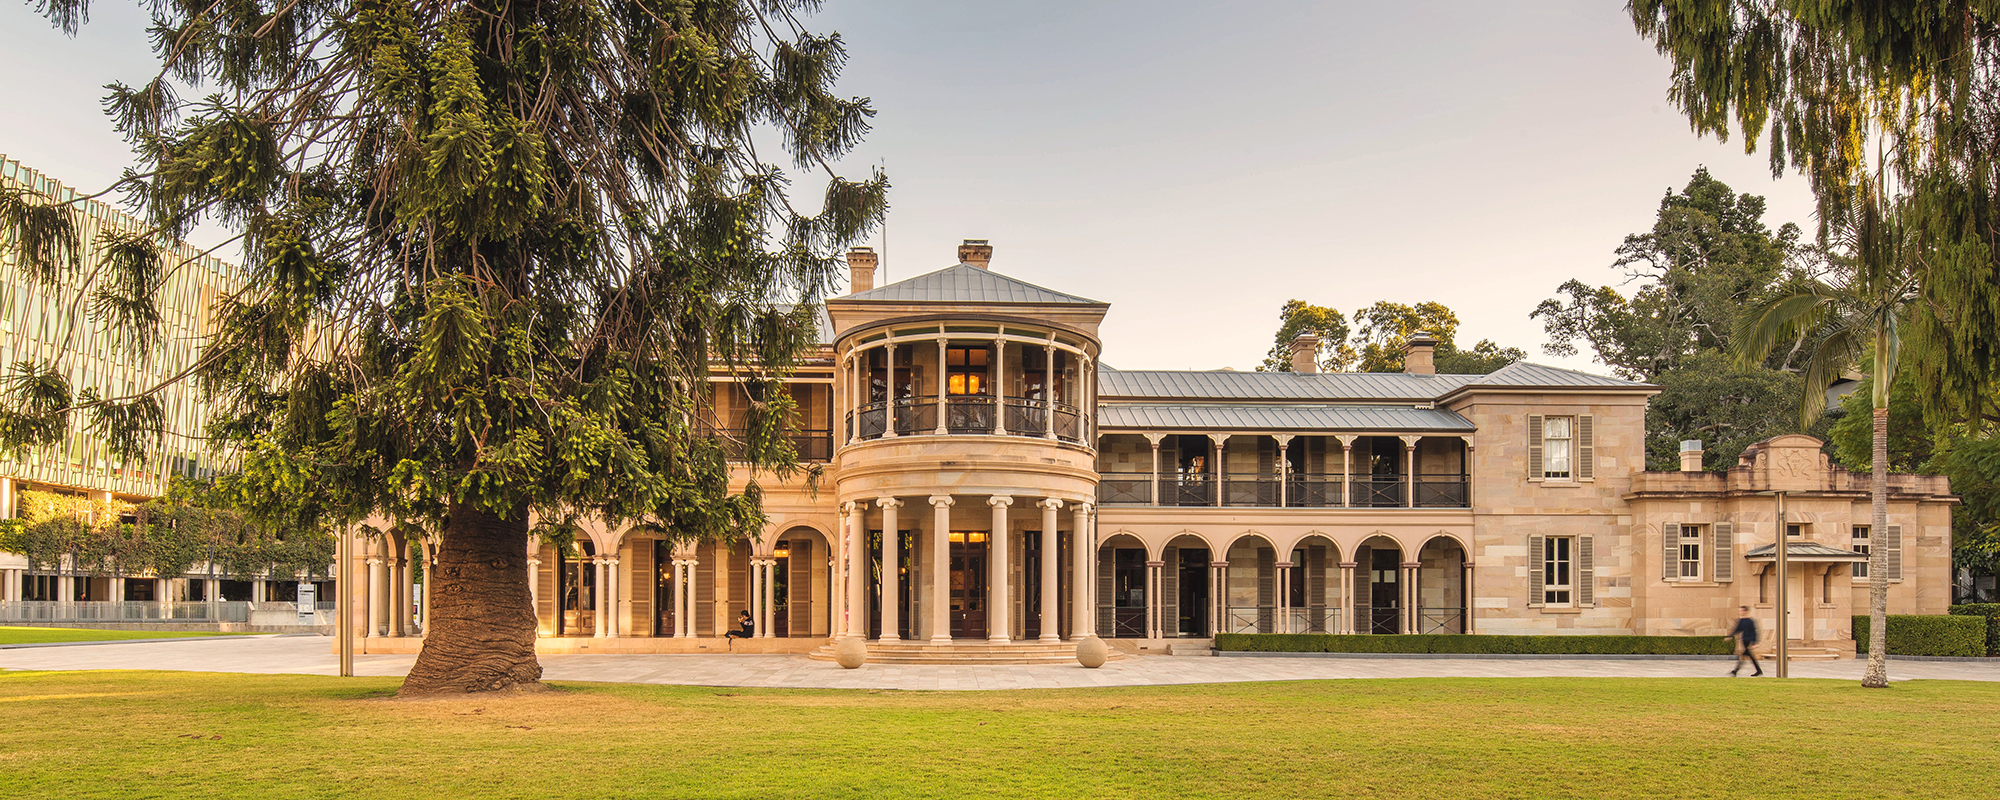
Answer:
(1316, 578)
(1536, 581)
(1586, 449)
(739, 581)
(1534, 447)
(798, 589)
(1363, 558)
(1105, 592)
(1895, 545)
(645, 581)
(1170, 593)
(1723, 549)
(1670, 551)
(1267, 596)
(1586, 572)
(545, 587)
(704, 590)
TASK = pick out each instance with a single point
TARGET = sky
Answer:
(1193, 165)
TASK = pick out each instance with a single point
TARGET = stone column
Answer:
(1282, 612)
(6, 498)
(891, 581)
(754, 604)
(1465, 584)
(683, 598)
(857, 571)
(999, 362)
(1218, 596)
(999, 629)
(1155, 438)
(1220, 442)
(257, 589)
(853, 397)
(1410, 471)
(1410, 595)
(1284, 468)
(1346, 469)
(1049, 387)
(940, 569)
(1051, 573)
(374, 615)
(770, 598)
(1346, 622)
(889, 394)
(943, 389)
(534, 589)
(614, 584)
(408, 586)
(1081, 602)
(597, 593)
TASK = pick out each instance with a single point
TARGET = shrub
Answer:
(1991, 611)
(1927, 635)
(1473, 644)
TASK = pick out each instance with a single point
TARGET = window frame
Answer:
(1568, 440)
(1860, 539)
(1693, 536)
(1555, 593)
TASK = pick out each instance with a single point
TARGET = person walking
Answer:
(1745, 634)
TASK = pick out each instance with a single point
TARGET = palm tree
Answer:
(1841, 322)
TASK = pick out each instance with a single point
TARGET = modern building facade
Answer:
(989, 489)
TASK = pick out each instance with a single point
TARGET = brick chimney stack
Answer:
(1305, 353)
(1419, 355)
(975, 252)
(861, 269)
(1691, 455)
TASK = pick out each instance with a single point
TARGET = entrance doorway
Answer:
(1193, 583)
(1128, 598)
(1383, 590)
(968, 585)
(663, 588)
(576, 590)
(902, 572)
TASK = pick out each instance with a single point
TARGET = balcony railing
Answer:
(1312, 491)
(1443, 493)
(1128, 489)
(971, 415)
(1187, 490)
(812, 445)
(1301, 491)
(1440, 620)
(1375, 493)
(1250, 489)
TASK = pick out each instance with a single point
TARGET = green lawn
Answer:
(145, 734)
(21, 635)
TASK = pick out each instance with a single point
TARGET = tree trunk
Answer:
(1877, 676)
(480, 635)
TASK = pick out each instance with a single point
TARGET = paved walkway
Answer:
(310, 655)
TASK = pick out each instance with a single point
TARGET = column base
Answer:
(1050, 638)
(999, 639)
(940, 641)
(890, 637)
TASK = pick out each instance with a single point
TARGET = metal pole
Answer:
(1784, 585)
(343, 628)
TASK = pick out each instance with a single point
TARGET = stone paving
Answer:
(310, 655)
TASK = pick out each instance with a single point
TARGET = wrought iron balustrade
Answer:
(1441, 620)
(1443, 493)
(915, 417)
(1249, 619)
(1376, 492)
(1312, 491)
(969, 414)
(1250, 489)
(1314, 619)
(1069, 423)
(1187, 490)
(1127, 489)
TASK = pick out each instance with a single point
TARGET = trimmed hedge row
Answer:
(1927, 635)
(1474, 644)
(1991, 611)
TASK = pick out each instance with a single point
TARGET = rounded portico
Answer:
(966, 467)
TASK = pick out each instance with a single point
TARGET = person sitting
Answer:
(745, 627)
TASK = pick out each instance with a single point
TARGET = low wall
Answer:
(215, 627)
(384, 645)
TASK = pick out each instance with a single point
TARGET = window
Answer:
(1558, 565)
(1860, 545)
(1690, 552)
(1794, 530)
(966, 370)
(1556, 439)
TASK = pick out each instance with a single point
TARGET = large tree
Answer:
(1377, 345)
(494, 250)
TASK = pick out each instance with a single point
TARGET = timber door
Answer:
(1193, 592)
(1384, 591)
(968, 585)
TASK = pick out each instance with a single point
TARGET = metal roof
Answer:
(1333, 386)
(1235, 417)
(964, 283)
(1522, 373)
(1805, 551)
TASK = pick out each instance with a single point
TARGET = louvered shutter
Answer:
(1537, 588)
(645, 582)
(704, 590)
(799, 589)
(1170, 593)
(1724, 552)
(739, 581)
(1316, 576)
(1586, 572)
(1364, 557)
(1267, 596)
(1670, 552)
(1895, 545)
(1586, 449)
(545, 587)
(1106, 593)
(1534, 447)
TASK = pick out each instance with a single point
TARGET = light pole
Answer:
(1782, 547)
(343, 628)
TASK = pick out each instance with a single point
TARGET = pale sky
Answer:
(1193, 165)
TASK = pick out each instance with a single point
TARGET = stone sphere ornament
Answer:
(851, 652)
(1091, 652)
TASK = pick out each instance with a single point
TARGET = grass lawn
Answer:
(20, 635)
(152, 734)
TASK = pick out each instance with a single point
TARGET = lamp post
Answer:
(343, 628)
(1783, 546)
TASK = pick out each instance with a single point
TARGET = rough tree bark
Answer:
(480, 635)
(1877, 676)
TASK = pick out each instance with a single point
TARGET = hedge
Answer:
(1470, 644)
(1991, 611)
(1927, 635)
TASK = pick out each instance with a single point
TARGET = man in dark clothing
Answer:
(744, 630)
(1745, 635)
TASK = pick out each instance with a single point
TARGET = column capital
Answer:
(1220, 438)
(1051, 503)
(1467, 565)
(1283, 438)
(1467, 439)
(888, 502)
(1413, 564)
(1000, 501)
(532, 561)
(1082, 509)
(1156, 564)
(1349, 564)
(1410, 440)
(1346, 440)
(942, 500)
(1154, 438)
(1284, 565)
(374, 560)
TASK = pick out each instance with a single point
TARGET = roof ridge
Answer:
(975, 280)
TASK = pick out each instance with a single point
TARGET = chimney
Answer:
(1418, 353)
(1690, 455)
(975, 252)
(1305, 353)
(861, 269)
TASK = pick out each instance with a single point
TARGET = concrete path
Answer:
(310, 655)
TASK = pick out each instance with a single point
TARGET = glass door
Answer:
(968, 585)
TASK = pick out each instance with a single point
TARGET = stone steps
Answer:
(923, 652)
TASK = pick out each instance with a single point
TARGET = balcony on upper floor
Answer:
(1291, 471)
(968, 380)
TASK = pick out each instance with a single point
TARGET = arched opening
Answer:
(1440, 589)
(1312, 587)
(1378, 586)
(1121, 587)
(1250, 589)
(800, 589)
(576, 588)
(1184, 585)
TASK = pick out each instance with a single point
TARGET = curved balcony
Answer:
(969, 415)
